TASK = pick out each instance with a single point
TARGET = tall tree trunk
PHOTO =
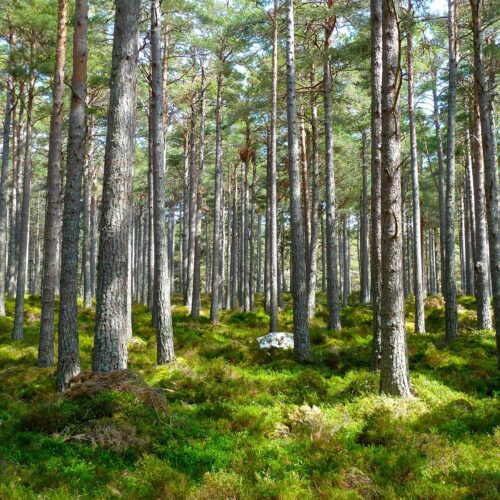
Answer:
(450, 292)
(346, 264)
(252, 239)
(418, 275)
(68, 361)
(234, 242)
(492, 190)
(24, 223)
(88, 183)
(196, 301)
(323, 253)
(313, 244)
(185, 214)
(13, 199)
(302, 345)
(9, 99)
(272, 227)
(258, 288)
(468, 219)
(363, 240)
(94, 215)
(52, 208)
(110, 347)
(193, 188)
(442, 212)
(481, 266)
(376, 172)
(394, 373)
(216, 242)
(306, 199)
(332, 277)
(150, 214)
(161, 298)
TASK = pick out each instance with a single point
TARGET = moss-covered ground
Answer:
(232, 422)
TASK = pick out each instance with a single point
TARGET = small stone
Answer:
(276, 340)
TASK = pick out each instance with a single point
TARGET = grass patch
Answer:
(225, 420)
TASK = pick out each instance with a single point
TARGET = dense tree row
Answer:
(239, 148)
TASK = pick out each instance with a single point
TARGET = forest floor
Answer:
(226, 420)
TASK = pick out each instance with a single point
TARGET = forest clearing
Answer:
(249, 249)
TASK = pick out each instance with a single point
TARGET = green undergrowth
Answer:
(225, 420)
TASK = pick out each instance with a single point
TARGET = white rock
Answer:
(277, 340)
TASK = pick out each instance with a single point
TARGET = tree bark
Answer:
(376, 172)
(193, 188)
(88, 185)
(481, 266)
(24, 223)
(110, 348)
(450, 292)
(313, 243)
(440, 155)
(196, 300)
(302, 345)
(492, 190)
(273, 206)
(217, 243)
(52, 208)
(9, 100)
(394, 373)
(363, 243)
(331, 256)
(68, 360)
(418, 275)
(161, 297)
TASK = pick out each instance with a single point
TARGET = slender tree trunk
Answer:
(463, 245)
(13, 201)
(110, 348)
(217, 244)
(442, 212)
(481, 266)
(193, 188)
(332, 277)
(234, 242)
(3, 178)
(259, 253)
(394, 373)
(196, 301)
(363, 240)
(272, 228)
(88, 183)
(151, 238)
(313, 244)
(302, 344)
(346, 264)
(185, 214)
(376, 172)
(94, 214)
(469, 226)
(450, 291)
(492, 190)
(418, 275)
(145, 244)
(306, 199)
(68, 360)
(323, 254)
(18, 333)
(161, 298)
(251, 263)
(53, 209)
